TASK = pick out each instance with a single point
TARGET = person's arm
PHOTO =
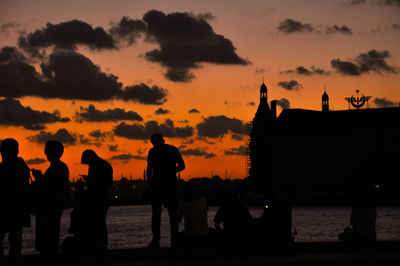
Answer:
(180, 163)
(149, 170)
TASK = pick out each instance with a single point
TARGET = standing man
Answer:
(163, 162)
(14, 183)
(99, 181)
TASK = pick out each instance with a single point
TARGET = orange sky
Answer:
(217, 89)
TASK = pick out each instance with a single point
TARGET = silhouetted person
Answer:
(163, 162)
(14, 183)
(233, 214)
(363, 217)
(99, 181)
(193, 209)
(53, 194)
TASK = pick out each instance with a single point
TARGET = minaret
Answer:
(325, 102)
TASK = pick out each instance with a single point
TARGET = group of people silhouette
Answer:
(47, 194)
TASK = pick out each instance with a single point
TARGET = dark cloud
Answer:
(6, 27)
(237, 137)
(291, 85)
(36, 161)
(336, 29)
(185, 42)
(383, 102)
(138, 131)
(396, 26)
(99, 135)
(61, 135)
(76, 77)
(356, 2)
(291, 26)
(113, 148)
(161, 111)
(218, 126)
(194, 111)
(91, 114)
(241, 151)
(251, 103)
(372, 61)
(68, 75)
(206, 16)
(125, 158)
(301, 70)
(391, 2)
(197, 152)
(13, 113)
(66, 35)
(144, 94)
(283, 103)
(128, 29)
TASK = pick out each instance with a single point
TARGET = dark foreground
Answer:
(321, 253)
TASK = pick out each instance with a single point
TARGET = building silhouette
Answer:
(322, 152)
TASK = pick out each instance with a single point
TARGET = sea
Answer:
(130, 226)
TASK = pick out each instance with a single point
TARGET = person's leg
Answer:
(173, 219)
(15, 239)
(156, 209)
(102, 229)
(2, 235)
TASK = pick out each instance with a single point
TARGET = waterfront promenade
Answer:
(312, 253)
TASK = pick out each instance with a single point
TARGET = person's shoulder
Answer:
(171, 147)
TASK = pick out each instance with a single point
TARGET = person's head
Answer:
(53, 150)
(9, 149)
(157, 139)
(88, 157)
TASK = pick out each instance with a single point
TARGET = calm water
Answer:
(129, 226)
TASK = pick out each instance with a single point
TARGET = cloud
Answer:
(91, 114)
(126, 157)
(68, 75)
(113, 148)
(36, 161)
(197, 152)
(364, 63)
(218, 126)
(161, 111)
(251, 103)
(336, 29)
(13, 113)
(291, 85)
(260, 71)
(391, 2)
(100, 135)
(66, 35)
(138, 131)
(237, 137)
(241, 151)
(283, 103)
(301, 70)
(61, 135)
(128, 30)
(384, 103)
(185, 41)
(289, 26)
(6, 27)
(194, 111)
(396, 26)
(145, 95)
(356, 2)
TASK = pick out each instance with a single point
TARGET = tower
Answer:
(325, 102)
(261, 142)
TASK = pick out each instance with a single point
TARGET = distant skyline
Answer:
(104, 75)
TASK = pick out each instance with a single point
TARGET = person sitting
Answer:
(234, 215)
(193, 209)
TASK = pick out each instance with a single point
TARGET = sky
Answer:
(105, 75)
